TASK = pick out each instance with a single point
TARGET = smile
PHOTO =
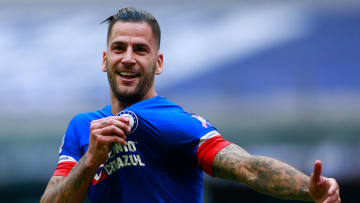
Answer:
(127, 76)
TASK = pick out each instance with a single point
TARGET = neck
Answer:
(118, 105)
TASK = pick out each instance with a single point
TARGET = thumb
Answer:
(316, 176)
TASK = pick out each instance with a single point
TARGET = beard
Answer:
(129, 96)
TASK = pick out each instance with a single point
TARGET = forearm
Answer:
(263, 174)
(72, 188)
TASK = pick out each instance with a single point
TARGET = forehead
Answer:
(133, 31)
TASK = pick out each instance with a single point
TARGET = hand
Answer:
(322, 189)
(103, 133)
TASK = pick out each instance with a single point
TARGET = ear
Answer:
(103, 65)
(159, 64)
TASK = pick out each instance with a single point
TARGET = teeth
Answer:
(127, 73)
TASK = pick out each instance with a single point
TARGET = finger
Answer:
(101, 140)
(113, 130)
(316, 176)
(122, 125)
(334, 197)
(98, 125)
(337, 193)
(125, 119)
(331, 199)
(102, 119)
(333, 185)
(120, 121)
(108, 130)
(106, 119)
(106, 140)
(102, 123)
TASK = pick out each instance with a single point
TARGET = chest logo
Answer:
(133, 122)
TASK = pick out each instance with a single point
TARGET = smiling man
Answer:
(144, 148)
(132, 60)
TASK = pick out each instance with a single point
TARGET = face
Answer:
(132, 61)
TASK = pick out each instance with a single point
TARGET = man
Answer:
(144, 148)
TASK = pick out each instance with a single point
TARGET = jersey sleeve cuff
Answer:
(207, 151)
(63, 168)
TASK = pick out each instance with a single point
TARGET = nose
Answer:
(128, 58)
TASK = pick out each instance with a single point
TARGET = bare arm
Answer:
(263, 174)
(72, 188)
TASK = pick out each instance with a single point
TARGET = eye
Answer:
(119, 48)
(141, 50)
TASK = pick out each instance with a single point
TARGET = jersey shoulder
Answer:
(161, 111)
(77, 132)
(171, 121)
(86, 118)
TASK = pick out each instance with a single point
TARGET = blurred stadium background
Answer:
(280, 78)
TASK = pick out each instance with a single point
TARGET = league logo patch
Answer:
(203, 121)
(133, 119)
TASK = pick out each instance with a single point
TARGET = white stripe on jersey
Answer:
(208, 136)
(64, 158)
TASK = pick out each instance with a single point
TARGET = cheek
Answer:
(148, 63)
(113, 59)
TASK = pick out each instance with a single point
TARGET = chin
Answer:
(128, 96)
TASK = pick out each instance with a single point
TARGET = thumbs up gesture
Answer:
(322, 189)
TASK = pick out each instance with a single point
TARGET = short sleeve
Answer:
(207, 141)
(70, 150)
(193, 128)
(207, 151)
(184, 132)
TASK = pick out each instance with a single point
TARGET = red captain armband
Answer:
(207, 151)
(64, 168)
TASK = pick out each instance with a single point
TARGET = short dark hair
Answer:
(137, 16)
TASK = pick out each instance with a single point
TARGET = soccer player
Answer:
(144, 148)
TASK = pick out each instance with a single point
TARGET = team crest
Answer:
(133, 123)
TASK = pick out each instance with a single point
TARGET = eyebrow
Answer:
(136, 44)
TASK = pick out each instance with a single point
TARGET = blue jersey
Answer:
(159, 163)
